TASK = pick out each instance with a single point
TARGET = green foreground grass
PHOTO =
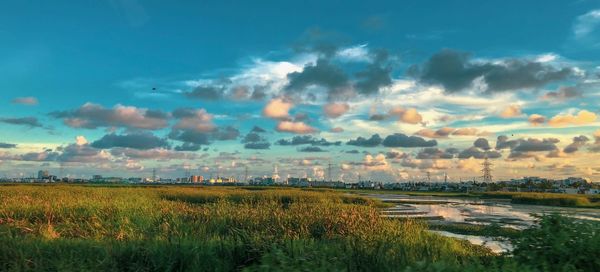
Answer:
(85, 228)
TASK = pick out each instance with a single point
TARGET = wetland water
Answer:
(449, 210)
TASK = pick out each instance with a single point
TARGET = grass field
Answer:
(549, 199)
(92, 228)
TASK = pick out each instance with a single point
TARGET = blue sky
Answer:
(123, 71)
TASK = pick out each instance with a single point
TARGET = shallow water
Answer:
(477, 211)
(449, 210)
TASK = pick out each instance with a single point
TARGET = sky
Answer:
(385, 90)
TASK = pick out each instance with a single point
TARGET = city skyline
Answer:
(385, 91)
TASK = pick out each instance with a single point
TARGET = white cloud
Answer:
(355, 53)
(547, 57)
(586, 23)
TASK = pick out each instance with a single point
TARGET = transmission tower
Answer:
(153, 174)
(275, 173)
(329, 171)
(428, 177)
(246, 174)
(487, 170)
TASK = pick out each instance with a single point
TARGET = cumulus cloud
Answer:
(188, 146)
(336, 130)
(373, 141)
(523, 148)
(455, 71)
(467, 132)
(27, 100)
(295, 127)
(335, 110)
(375, 75)
(577, 143)
(23, 121)
(533, 145)
(195, 134)
(326, 73)
(193, 119)
(82, 154)
(225, 133)
(407, 115)
(321, 73)
(258, 129)
(311, 149)
(396, 155)
(277, 108)
(433, 153)
(134, 141)
(536, 119)
(511, 111)
(80, 140)
(92, 116)
(191, 138)
(7, 145)
(478, 153)
(206, 93)
(401, 140)
(306, 139)
(375, 163)
(482, 143)
(563, 93)
(440, 133)
(425, 164)
(582, 118)
(253, 140)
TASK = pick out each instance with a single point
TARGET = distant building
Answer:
(43, 174)
(196, 179)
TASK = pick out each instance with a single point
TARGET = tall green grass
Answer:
(60, 227)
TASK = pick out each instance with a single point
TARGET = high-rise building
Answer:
(196, 179)
(43, 174)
